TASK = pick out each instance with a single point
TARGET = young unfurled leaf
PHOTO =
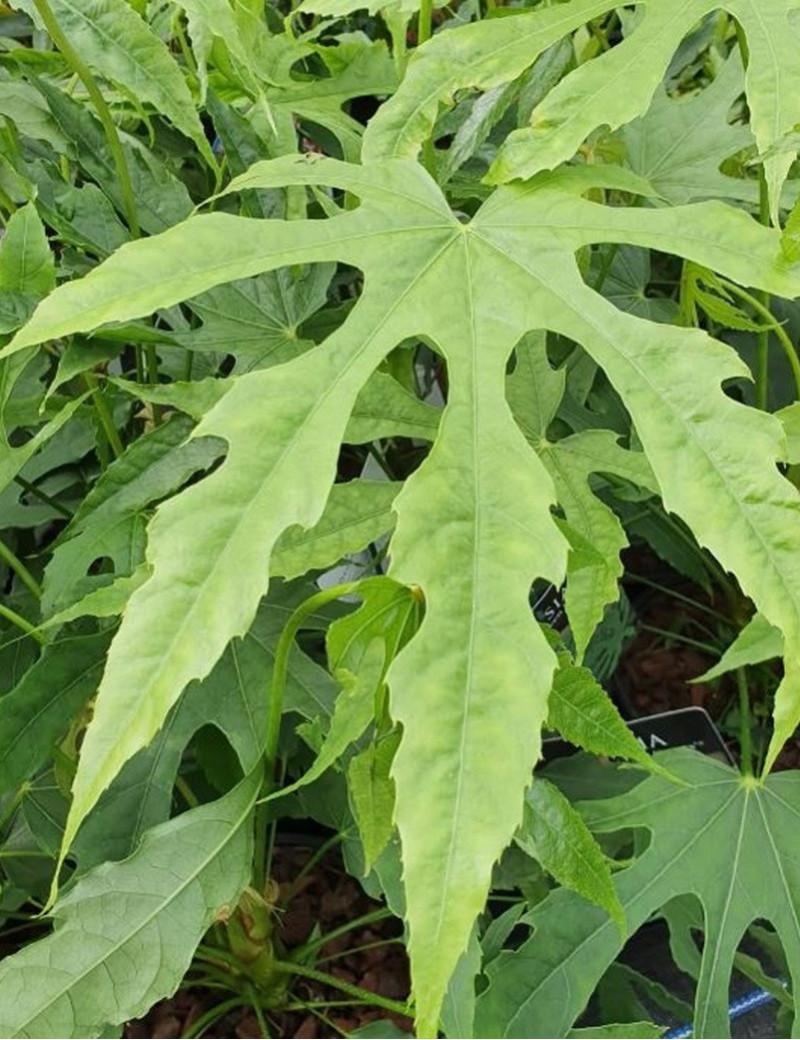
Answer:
(555, 835)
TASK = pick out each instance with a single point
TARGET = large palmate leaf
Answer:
(149, 911)
(717, 839)
(474, 522)
(607, 91)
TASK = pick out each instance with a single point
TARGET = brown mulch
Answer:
(325, 899)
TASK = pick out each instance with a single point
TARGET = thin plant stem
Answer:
(640, 579)
(290, 968)
(208, 1018)
(745, 739)
(762, 345)
(425, 22)
(707, 647)
(359, 949)
(186, 792)
(255, 1004)
(281, 668)
(348, 926)
(104, 415)
(275, 713)
(20, 622)
(32, 489)
(20, 570)
(781, 335)
(325, 847)
(86, 77)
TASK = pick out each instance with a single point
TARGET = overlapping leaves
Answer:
(542, 987)
(474, 523)
(608, 91)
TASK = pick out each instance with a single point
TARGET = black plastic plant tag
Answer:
(684, 727)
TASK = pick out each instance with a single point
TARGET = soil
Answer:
(370, 957)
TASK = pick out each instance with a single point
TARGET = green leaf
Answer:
(356, 513)
(257, 320)
(721, 818)
(152, 909)
(790, 238)
(618, 1031)
(114, 41)
(584, 714)
(13, 460)
(458, 1010)
(384, 408)
(23, 105)
(679, 144)
(161, 199)
(37, 712)
(485, 55)
(474, 520)
(107, 601)
(555, 835)
(111, 520)
(609, 90)
(232, 699)
(618, 85)
(26, 263)
(372, 794)
(790, 420)
(758, 641)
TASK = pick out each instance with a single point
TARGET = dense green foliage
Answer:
(285, 303)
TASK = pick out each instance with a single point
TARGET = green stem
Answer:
(425, 21)
(152, 378)
(20, 622)
(763, 311)
(309, 865)
(706, 647)
(20, 569)
(104, 415)
(745, 741)
(348, 926)
(762, 345)
(84, 73)
(346, 987)
(206, 1020)
(641, 580)
(32, 489)
(281, 668)
(272, 739)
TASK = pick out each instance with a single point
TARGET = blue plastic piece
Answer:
(741, 1006)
